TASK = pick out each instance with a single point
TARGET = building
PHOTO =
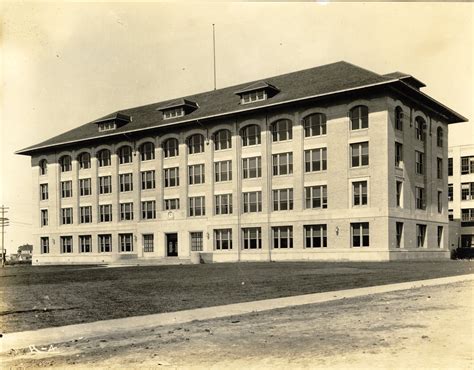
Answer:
(330, 163)
(461, 195)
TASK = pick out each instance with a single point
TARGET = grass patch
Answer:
(36, 297)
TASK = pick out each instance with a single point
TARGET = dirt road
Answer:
(430, 327)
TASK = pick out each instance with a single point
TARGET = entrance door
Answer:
(172, 245)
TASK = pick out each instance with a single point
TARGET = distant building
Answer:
(330, 163)
(461, 195)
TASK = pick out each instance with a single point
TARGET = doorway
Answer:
(172, 245)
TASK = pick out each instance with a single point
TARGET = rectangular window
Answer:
(223, 171)
(282, 164)
(440, 202)
(450, 167)
(85, 214)
(126, 211)
(252, 167)
(440, 236)
(282, 237)
(66, 216)
(44, 245)
(399, 233)
(148, 180)
(249, 97)
(171, 177)
(197, 206)
(252, 238)
(223, 239)
(315, 160)
(44, 192)
(360, 234)
(126, 242)
(398, 154)
(359, 193)
(173, 112)
(450, 192)
(420, 162)
(66, 244)
(467, 214)
(253, 202)
(439, 168)
(126, 182)
(171, 204)
(85, 244)
(420, 235)
(66, 189)
(467, 191)
(196, 174)
(196, 241)
(148, 210)
(360, 154)
(105, 212)
(420, 198)
(105, 184)
(105, 243)
(315, 236)
(44, 217)
(450, 215)
(467, 165)
(316, 197)
(399, 193)
(85, 187)
(283, 200)
(148, 243)
(223, 204)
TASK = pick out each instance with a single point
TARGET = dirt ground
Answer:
(430, 327)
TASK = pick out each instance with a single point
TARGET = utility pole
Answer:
(4, 222)
(214, 52)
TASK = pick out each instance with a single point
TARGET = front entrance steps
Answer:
(158, 261)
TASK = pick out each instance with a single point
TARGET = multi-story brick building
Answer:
(461, 195)
(330, 163)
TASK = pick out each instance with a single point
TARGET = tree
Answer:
(25, 248)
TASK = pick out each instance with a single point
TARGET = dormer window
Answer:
(107, 126)
(173, 113)
(250, 97)
(112, 121)
(257, 92)
(178, 108)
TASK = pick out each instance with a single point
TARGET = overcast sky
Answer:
(66, 64)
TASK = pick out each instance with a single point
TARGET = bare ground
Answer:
(430, 327)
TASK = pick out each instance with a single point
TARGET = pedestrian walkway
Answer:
(116, 326)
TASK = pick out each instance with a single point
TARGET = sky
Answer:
(65, 64)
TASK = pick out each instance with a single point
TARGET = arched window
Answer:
(282, 130)
(171, 148)
(250, 135)
(420, 128)
(125, 154)
(43, 166)
(314, 125)
(222, 140)
(84, 160)
(439, 137)
(147, 151)
(103, 157)
(399, 118)
(359, 116)
(195, 144)
(65, 162)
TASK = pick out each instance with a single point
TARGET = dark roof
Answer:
(113, 117)
(260, 85)
(309, 83)
(406, 77)
(178, 103)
